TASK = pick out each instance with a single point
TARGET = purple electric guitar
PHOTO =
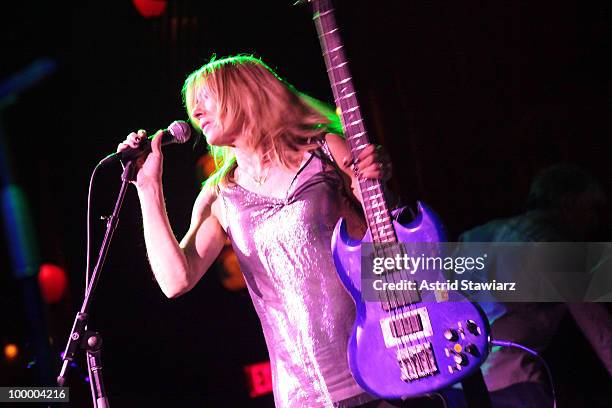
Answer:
(402, 344)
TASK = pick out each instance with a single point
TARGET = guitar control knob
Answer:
(451, 335)
(472, 349)
(460, 359)
(472, 327)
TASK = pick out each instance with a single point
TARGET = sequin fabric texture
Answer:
(284, 250)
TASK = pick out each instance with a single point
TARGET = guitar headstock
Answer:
(317, 5)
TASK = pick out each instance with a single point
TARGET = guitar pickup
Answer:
(405, 326)
(408, 326)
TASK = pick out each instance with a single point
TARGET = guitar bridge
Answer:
(417, 362)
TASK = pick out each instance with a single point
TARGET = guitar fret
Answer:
(349, 95)
(382, 219)
(370, 215)
(379, 204)
(344, 81)
(333, 50)
(375, 221)
(328, 33)
(356, 138)
(356, 122)
(360, 147)
(337, 66)
(388, 237)
(383, 225)
(374, 197)
(324, 13)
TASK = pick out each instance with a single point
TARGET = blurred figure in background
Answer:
(565, 204)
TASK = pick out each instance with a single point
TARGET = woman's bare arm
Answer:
(177, 267)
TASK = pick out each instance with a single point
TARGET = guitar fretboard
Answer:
(374, 204)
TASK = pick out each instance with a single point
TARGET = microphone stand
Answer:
(80, 337)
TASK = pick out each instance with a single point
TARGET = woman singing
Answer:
(283, 179)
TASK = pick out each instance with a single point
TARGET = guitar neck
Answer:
(372, 193)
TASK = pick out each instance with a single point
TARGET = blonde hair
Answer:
(254, 100)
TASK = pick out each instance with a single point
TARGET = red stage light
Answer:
(150, 8)
(259, 379)
(52, 282)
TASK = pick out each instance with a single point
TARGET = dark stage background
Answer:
(470, 99)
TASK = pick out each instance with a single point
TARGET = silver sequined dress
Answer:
(283, 246)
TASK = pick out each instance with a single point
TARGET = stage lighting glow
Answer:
(53, 282)
(11, 351)
(150, 8)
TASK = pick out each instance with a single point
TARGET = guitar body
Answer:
(375, 354)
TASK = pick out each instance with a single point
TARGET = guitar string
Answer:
(323, 32)
(411, 306)
(333, 69)
(396, 308)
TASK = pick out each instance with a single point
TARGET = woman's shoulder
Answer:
(335, 148)
(207, 196)
(206, 202)
(210, 199)
(331, 146)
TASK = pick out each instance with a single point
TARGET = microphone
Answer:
(178, 132)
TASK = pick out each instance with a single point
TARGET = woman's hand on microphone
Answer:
(149, 165)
